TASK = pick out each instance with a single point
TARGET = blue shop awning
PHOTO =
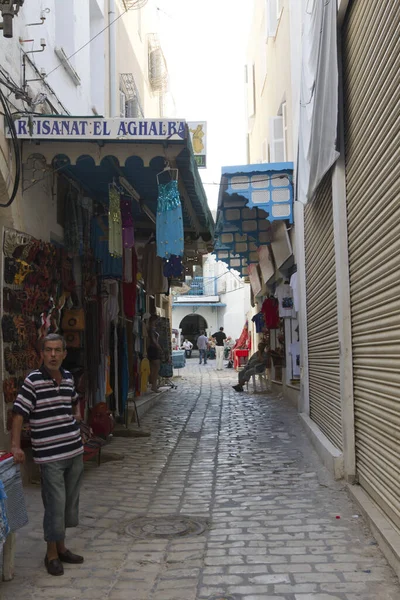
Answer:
(93, 154)
(251, 197)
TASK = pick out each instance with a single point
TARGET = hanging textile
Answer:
(115, 224)
(270, 310)
(111, 266)
(259, 322)
(243, 342)
(169, 224)
(286, 303)
(127, 259)
(130, 343)
(164, 330)
(173, 266)
(152, 267)
(93, 357)
(73, 227)
(128, 232)
(111, 399)
(123, 370)
(129, 286)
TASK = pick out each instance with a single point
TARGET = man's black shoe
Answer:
(69, 557)
(54, 566)
(238, 387)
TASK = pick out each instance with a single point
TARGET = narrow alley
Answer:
(259, 518)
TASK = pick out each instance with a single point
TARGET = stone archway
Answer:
(191, 325)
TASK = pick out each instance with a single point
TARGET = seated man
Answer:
(187, 346)
(257, 364)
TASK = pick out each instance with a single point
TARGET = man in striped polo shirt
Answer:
(49, 402)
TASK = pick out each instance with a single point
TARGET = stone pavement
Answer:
(240, 465)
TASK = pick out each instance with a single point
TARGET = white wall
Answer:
(237, 305)
(211, 314)
(67, 25)
(35, 212)
(233, 292)
(133, 31)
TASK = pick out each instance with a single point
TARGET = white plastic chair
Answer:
(263, 381)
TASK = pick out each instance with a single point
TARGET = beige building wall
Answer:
(271, 117)
(269, 58)
(137, 31)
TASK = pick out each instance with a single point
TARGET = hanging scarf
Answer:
(115, 224)
(128, 233)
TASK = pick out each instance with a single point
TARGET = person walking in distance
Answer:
(49, 401)
(202, 344)
(220, 338)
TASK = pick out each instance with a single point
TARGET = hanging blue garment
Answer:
(169, 224)
(111, 266)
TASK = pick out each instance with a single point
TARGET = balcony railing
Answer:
(202, 286)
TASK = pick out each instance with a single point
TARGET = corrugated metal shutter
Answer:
(322, 324)
(371, 51)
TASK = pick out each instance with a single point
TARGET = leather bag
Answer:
(73, 339)
(73, 320)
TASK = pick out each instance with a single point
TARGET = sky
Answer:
(204, 42)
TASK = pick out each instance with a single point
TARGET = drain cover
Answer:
(223, 597)
(165, 527)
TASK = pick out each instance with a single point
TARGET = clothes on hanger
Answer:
(270, 310)
(152, 271)
(128, 232)
(259, 322)
(111, 266)
(286, 304)
(173, 266)
(169, 221)
(129, 289)
(115, 223)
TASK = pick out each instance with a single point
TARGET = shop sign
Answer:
(198, 135)
(88, 128)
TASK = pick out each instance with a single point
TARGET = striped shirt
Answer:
(55, 433)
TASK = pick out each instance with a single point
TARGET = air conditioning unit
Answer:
(122, 104)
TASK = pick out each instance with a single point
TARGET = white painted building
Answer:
(219, 298)
(81, 58)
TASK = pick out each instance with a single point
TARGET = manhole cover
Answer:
(223, 597)
(165, 527)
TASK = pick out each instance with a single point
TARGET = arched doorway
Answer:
(191, 325)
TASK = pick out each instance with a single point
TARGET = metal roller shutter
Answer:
(322, 326)
(371, 51)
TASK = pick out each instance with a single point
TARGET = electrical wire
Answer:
(15, 144)
(87, 43)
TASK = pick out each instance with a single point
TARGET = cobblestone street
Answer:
(263, 512)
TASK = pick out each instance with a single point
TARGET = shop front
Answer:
(253, 228)
(111, 214)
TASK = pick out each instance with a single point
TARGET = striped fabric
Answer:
(55, 433)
